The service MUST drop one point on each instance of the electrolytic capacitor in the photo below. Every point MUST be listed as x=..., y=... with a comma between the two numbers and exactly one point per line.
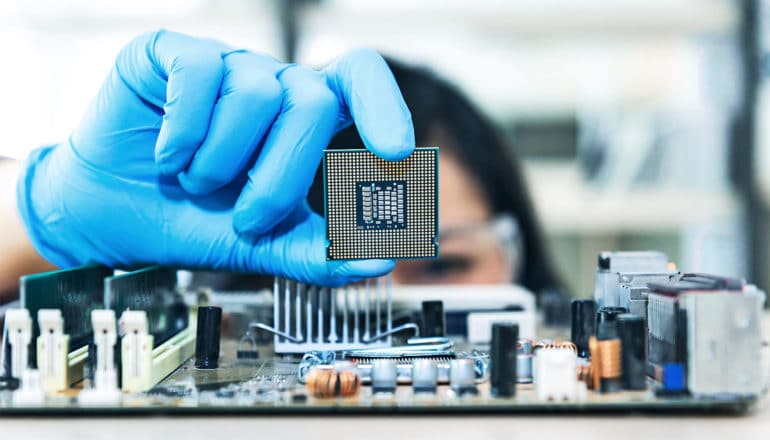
x=634, y=356
x=583, y=324
x=207, y=337
x=524, y=359
x=462, y=376
x=433, y=320
x=384, y=376
x=502, y=355
x=7, y=381
x=424, y=375
x=606, y=326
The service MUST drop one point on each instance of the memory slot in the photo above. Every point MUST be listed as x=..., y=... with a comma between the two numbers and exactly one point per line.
x=152, y=290
x=74, y=291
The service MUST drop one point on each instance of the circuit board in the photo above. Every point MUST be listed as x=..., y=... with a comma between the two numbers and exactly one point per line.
x=270, y=386
x=157, y=348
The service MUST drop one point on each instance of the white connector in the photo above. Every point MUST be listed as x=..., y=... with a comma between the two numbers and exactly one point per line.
x=105, y=390
x=52, y=349
x=18, y=323
x=19, y=326
x=556, y=376
x=30, y=392
x=136, y=351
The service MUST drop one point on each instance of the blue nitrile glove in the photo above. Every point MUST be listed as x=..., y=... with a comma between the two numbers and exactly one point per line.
x=200, y=156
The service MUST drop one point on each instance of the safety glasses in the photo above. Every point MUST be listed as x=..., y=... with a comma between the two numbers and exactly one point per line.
x=479, y=253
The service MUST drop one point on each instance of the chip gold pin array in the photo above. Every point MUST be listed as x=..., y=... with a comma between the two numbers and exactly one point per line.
x=380, y=209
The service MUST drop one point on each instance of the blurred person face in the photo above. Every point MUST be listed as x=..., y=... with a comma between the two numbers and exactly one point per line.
x=470, y=251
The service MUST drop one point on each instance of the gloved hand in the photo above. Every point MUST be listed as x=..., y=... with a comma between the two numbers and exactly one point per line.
x=199, y=156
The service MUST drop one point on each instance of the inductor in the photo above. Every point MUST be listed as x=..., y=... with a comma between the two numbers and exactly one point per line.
x=326, y=381
x=593, y=348
x=609, y=359
x=584, y=372
x=605, y=360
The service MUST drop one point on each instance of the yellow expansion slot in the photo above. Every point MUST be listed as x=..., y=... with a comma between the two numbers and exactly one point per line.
x=59, y=368
x=76, y=361
x=142, y=366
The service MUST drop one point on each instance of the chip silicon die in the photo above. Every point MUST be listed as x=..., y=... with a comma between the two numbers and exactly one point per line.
x=380, y=209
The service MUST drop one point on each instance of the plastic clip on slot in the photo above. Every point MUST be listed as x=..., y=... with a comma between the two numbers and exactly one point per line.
x=105, y=390
x=136, y=351
x=143, y=364
x=19, y=325
x=52, y=350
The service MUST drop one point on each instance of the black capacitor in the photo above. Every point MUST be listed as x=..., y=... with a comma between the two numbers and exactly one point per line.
x=583, y=324
x=502, y=354
x=606, y=327
x=7, y=382
x=634, y=356
x=433, y=320
x=207, y=337
x=7, y=353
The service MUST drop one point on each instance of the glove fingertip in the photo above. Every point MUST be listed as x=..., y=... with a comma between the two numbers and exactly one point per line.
x=249, y=223
x=170, y=157
x=198, y=185
x=169, y=166
x=246, y=224
x=359, y=269
x=393, y=153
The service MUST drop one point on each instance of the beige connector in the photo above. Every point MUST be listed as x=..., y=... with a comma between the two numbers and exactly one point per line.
x=52, y=348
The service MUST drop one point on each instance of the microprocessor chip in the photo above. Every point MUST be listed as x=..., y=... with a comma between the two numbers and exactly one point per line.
x=380, y=209
x=381, y=205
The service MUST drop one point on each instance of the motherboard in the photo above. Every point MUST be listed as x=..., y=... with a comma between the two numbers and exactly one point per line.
x=88, y=341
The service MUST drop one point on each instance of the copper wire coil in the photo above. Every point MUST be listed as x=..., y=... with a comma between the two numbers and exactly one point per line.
x=593, y=348
x=609, y=359
x=584, y=373
x=326, y=381
x=605, y=360
x=556, y=344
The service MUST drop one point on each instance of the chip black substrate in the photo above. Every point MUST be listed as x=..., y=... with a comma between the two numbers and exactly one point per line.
x=380, y=209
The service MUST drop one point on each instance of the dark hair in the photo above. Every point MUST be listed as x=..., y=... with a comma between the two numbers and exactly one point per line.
x=434, y=103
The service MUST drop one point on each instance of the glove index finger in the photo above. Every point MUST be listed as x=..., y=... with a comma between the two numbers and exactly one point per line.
x=181, y=77
x=369, y=97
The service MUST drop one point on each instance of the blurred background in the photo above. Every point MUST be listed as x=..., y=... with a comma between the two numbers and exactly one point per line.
x=643, y=124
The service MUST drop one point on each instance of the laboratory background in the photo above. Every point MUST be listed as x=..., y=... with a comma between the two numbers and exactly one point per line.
x=639, y=123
